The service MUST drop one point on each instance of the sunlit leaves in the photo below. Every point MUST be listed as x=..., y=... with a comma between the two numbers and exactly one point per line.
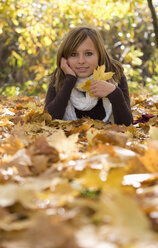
x=33, y=30
x=133, y=57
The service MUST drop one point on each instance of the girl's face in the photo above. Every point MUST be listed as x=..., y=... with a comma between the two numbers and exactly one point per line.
x=84, y=59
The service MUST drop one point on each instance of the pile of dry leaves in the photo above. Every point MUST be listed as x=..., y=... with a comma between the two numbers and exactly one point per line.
x=79, y=184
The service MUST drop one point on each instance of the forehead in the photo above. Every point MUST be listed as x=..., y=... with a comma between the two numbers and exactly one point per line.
x=87, y=44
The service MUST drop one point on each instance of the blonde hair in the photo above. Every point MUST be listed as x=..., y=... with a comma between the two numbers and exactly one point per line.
x=72, y=40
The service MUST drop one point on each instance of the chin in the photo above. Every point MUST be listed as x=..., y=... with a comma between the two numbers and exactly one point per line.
x=82, y=75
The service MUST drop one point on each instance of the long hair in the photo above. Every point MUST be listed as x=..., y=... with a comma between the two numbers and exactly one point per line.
x=72, y=40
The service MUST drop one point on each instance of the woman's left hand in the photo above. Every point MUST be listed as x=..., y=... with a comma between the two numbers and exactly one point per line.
x=101, y=88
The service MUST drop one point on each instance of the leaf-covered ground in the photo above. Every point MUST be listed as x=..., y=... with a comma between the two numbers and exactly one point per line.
x=77, y=184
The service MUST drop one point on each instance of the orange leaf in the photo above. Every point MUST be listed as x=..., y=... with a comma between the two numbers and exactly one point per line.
x=85, y=86
x=149, y=159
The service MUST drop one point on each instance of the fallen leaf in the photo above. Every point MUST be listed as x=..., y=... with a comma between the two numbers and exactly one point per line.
x=66, y=146
x=153, y=133
x=111, y=137
x=149, y=159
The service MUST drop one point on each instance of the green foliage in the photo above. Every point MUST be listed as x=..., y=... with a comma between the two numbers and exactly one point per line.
x=30, y=33
x=90, y=193
x=9, y=90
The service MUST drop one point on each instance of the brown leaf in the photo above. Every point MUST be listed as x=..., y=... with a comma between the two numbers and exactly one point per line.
x=18, y=165
x=67, y=146
x=111, y=137
x=39, y=164
x=11, y=145
x=81, y=129
x=41, y=146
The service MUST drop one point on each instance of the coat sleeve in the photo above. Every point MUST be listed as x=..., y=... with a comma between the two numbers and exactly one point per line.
x=56, y=103
x=120, y=101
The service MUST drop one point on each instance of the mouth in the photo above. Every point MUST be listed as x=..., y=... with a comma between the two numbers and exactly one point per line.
x=82, y=69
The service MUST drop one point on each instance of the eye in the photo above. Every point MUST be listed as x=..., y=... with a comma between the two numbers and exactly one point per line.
x=89, y=53
x=73, y=54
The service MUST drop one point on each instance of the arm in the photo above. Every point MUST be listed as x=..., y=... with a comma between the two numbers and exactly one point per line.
x=57, y=103
x=120, y=101
x=119, y=98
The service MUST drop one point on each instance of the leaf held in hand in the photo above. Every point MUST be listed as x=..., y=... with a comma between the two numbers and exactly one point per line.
x=98, y=74
x=85, y=86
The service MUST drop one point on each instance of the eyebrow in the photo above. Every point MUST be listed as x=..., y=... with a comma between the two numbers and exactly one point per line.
x=87, y=50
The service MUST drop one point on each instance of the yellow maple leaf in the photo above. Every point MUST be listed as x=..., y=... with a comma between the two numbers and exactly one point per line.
x=98, y=74
x=85, y=86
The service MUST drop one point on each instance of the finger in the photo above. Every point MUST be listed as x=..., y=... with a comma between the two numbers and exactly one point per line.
x=93, y=91
x=95, y=94
x=62, y=62
x=92, y=86
x=94, y=83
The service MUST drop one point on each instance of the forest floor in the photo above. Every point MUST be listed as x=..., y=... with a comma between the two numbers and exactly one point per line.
x=78, y=184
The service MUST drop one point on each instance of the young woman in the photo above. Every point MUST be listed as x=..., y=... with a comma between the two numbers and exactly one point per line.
x=79, y=54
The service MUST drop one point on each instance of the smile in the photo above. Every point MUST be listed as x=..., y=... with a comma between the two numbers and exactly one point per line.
x=82, y=69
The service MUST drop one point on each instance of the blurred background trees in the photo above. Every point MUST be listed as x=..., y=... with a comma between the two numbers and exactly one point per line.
x=31, y=31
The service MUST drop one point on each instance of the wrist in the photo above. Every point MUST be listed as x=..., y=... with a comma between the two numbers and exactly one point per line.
x=70, y=75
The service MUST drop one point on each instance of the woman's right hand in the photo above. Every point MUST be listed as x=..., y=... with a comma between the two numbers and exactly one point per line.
x=66, y=68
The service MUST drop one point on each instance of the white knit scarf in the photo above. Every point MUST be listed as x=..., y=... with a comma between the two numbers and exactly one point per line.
x=84, y=102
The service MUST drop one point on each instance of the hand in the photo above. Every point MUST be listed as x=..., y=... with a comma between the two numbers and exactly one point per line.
x=66, y=68
x=101, y=88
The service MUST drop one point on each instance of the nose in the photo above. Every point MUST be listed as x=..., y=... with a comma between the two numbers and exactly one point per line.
x=81, y=59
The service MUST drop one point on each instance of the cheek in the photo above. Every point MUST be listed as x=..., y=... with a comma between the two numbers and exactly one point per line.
x=95, y=63
x=70, y=62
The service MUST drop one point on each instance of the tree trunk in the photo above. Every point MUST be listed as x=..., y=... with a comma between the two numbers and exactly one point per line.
x=155, y=21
